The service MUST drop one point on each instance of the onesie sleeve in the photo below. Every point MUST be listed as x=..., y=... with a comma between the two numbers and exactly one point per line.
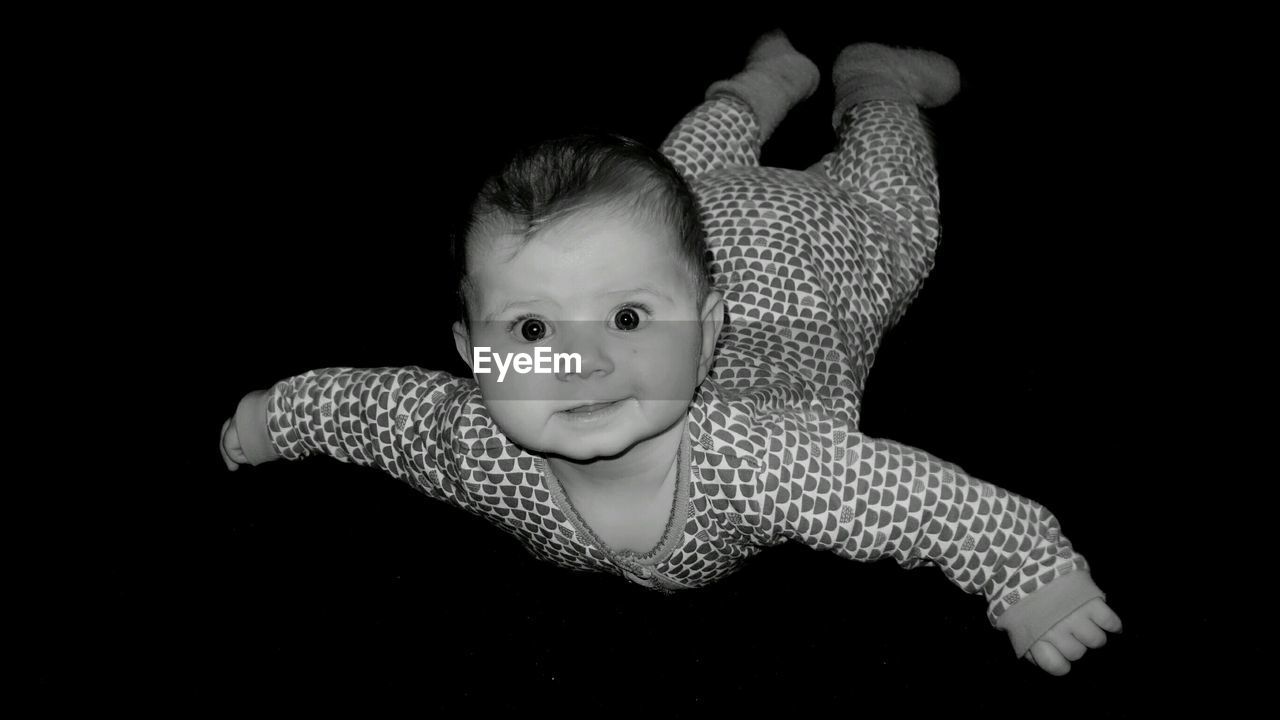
x=867, y=499
x=399, y=420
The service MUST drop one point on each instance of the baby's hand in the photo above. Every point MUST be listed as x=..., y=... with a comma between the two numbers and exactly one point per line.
x=232, y=454
x=1066, y=641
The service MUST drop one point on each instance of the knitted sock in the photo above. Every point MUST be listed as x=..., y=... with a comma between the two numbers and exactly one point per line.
x=868, y=71
x=776, y=78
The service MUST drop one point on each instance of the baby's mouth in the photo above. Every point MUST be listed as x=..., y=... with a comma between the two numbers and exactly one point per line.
x=589, y=411
x=591, y=407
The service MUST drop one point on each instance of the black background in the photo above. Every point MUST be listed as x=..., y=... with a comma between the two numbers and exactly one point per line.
x=280, y=190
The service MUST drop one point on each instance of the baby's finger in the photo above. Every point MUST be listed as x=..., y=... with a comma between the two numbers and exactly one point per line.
x=1089, y=634
x=222, y=447
x=1049, y=659
x=1104, y=617
x=1066, y=643
x=226, y=460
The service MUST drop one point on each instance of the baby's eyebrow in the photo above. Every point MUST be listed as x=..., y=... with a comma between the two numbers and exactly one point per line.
x=512, y=304
x=536, y=301
x=641, y=290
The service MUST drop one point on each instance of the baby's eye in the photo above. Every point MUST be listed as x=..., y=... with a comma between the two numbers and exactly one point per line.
x=630, y=318
x=531, y=329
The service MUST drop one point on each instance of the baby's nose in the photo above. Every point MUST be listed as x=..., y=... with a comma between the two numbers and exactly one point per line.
x=588, y=350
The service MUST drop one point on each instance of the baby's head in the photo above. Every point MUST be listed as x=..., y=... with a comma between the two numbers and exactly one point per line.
x=589, y=247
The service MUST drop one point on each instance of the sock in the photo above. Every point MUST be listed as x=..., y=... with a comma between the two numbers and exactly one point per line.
x=868, y=71
x=775, y=79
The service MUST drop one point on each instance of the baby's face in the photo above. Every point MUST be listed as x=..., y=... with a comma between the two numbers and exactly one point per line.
x=609, y=290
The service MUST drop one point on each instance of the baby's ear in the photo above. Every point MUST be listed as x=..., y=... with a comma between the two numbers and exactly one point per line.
x=462, y=341
x=712, y=323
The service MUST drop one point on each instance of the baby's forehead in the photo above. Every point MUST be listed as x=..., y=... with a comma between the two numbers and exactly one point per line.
x=504, y=238
x=584, y=256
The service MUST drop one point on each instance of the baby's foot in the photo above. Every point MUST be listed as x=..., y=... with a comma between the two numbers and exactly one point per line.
x=868, y=71
x=775, y=79
x=795, y=75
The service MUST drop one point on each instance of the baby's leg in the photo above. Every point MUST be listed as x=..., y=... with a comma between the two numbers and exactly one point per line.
x=884, y=157
x=741, y=113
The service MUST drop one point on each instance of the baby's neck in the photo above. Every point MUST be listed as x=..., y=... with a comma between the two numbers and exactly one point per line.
x=640, y=472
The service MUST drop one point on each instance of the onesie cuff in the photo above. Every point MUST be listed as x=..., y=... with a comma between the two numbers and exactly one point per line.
x=1027, y=621
x=251, y=426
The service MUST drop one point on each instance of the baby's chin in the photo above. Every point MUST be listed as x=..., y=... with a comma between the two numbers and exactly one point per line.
x=585, y=451
x=583, y=448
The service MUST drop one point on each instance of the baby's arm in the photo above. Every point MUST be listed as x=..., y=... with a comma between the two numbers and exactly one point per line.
x=882, y=498
x=395, y=419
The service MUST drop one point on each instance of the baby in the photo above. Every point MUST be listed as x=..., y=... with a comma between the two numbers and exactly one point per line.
x=669, y=350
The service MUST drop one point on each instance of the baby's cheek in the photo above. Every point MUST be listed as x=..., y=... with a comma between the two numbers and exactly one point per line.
x=521, y=421
x=516, y=386
x=518, y=404
x=668, y=377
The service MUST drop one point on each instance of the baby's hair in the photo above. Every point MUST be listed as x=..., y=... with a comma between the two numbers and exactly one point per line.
x=554, y=179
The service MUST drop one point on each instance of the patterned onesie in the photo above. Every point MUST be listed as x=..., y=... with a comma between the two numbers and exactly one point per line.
x=814, y=267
